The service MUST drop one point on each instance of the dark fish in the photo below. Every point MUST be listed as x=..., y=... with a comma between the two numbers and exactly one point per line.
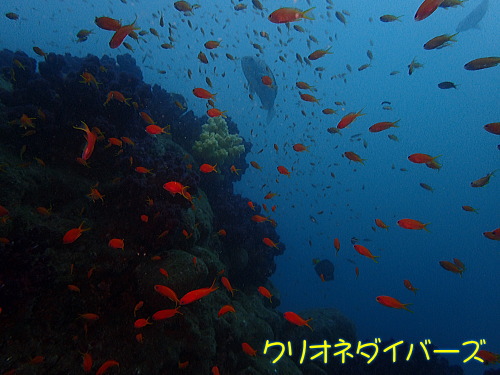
x=354, y=240
x=447, y=85
x=482, y=63
x=254, y=69
x=325, y=268
x=313, y=219
x=472, y=20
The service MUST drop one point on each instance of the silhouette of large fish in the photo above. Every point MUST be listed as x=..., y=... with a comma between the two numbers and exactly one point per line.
x=254, y=69
x=325, y=268
x=472, y=20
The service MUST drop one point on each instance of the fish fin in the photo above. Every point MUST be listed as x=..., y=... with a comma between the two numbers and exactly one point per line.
x=406, y=308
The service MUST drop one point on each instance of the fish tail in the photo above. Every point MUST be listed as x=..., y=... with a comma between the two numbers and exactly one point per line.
x=415, y=290
x=307, y=11
x=425, y=228
x=376, y=256
x=406, y=308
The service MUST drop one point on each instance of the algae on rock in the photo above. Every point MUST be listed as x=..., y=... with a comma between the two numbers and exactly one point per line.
x=216, y=144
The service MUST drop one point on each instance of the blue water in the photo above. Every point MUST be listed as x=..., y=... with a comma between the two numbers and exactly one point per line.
x=448, y=309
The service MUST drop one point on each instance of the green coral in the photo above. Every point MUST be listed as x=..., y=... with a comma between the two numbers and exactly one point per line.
x=216, y=144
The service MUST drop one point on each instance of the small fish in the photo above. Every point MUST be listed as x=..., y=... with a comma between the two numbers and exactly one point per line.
x=483, y=180
x=392, y=302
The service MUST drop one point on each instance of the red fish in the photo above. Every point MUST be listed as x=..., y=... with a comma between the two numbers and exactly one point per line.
x=348, y=119
x=91, y=139
x=207, y=168
x=197, y=294
x=227, y=285
x=165, y=291
x=426, y=9
x=265, y=292
x=203, y=94
x=116, y=243
x=107, y=23
x=409, y=286
x=336, y=244
x=155, y=129
x=73, y=234
x=166, y=314
x=422, y=158
x=270, y=243
x=214, y=112
x=365, y=252
x=380, y=126
x=299, y=147
x=121, y=34
x=225, y=309
x=392, y=302
x=285, y=15
x=283, y=170
x=296, y=319
x=412, y=224
x=354, y=157
x=105, y=366
x=248, y=349
x=381, y=224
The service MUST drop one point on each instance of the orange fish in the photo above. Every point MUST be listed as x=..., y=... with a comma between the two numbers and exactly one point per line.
x=155, y=129
x=143, y=170
x=299, y=147
x=174, y=187
x=118, y=96
x=255, y=165
x=233, y=169
x=73, y=288
x=380, y=126
x=166, y=314
x=270, y=243
x=266, y=80
x=409, y=286
x=107, y=23
x=365, y=252
x=285, y=15
x=392, y=302
x=203, y=94
x=165, y=291
x=259, y=218
x=87, y=362
x=207, y=168
x=488, y=357
x=265, y=292
x=296, y=319
x=73, y=234
x=493, y=128
x=105, y=366
x=147, y=118
x=283, y=170
x=225, y=309
x=89, y=316
x=319, y=53
x=348, y=119
x=336, y=244
x=270, y=195
x=412, y=224
x=121, y=34
x=197, y=294
x=116, y=243
x=354, y=157
x=215, y=370
x=459, y=264
x=421, y=158
x=427, y=8
x=308, y=98
x=251, y=205
x=164, y=272
x=469, y=209
x=227, y=285
x=248, y=349
x=89, y=79
x=138, y=306
x=214, y=112
x=381, y=224
x=141, y=323
x=211, y=44
x=448, y=266
x=91, y=139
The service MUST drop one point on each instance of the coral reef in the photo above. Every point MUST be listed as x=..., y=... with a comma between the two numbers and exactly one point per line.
x=216, y=144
